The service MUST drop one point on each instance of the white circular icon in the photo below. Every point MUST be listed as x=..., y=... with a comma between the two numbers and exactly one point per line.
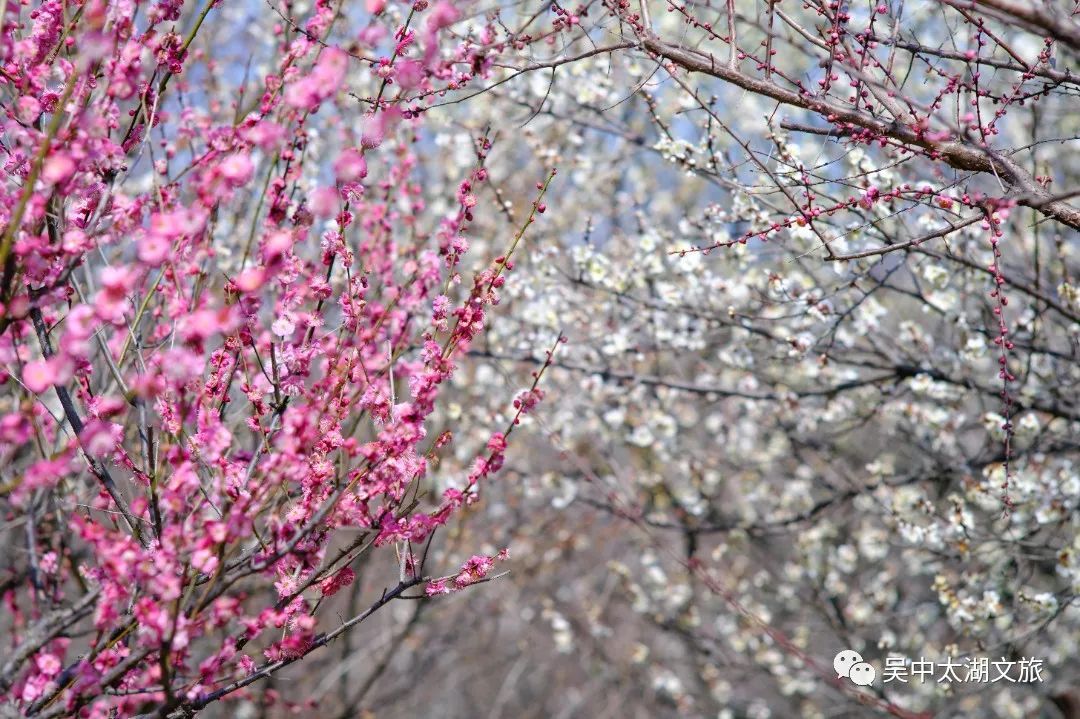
x=862, y=674
x=844, y=661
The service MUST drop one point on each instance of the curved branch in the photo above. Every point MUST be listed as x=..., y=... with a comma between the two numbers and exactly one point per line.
x=958, y=155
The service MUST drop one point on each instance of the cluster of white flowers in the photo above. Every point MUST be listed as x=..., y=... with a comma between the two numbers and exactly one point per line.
x=829, y=436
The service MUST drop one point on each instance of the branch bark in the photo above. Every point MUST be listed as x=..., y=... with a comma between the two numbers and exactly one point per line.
x=957, y=154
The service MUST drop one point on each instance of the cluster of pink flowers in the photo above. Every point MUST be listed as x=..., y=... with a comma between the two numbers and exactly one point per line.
x=225, y=403
x=476, y=569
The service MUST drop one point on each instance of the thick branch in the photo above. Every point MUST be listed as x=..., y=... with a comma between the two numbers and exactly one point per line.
x=1033, y=13
x=959, y=155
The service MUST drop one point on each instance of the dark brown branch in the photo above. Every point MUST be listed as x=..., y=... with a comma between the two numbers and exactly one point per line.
x=322, y=640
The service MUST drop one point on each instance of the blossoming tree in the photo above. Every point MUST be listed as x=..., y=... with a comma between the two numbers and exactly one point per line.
x=824, y=363
x=227, y=319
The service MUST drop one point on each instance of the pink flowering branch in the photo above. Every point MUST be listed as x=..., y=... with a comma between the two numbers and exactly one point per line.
x=240, y=333
x=191, y=705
